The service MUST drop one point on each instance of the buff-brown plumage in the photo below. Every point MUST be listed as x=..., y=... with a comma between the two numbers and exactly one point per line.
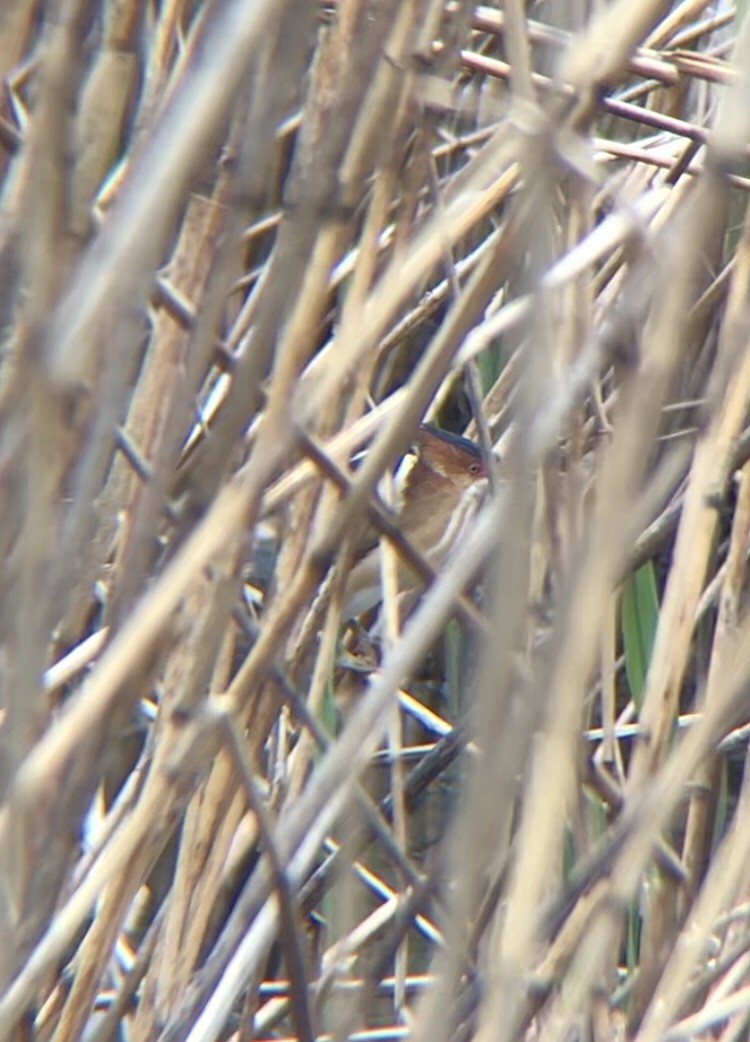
x=438, y=487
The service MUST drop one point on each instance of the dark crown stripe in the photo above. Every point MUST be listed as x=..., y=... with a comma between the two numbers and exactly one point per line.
x=454, y=439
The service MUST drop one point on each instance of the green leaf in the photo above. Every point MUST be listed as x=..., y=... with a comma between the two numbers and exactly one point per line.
x=491, y=363
x=640, y=614
x=633, y=938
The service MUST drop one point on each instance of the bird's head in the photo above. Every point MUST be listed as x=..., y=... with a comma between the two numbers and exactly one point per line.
x=450, y=456
x=440, y=463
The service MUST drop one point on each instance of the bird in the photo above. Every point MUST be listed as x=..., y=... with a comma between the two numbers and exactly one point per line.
x=438, y=486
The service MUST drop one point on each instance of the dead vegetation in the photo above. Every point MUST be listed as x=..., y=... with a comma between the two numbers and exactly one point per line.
x=239, y=244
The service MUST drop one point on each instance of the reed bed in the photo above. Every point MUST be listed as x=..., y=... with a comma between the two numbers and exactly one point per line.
x=241, y=245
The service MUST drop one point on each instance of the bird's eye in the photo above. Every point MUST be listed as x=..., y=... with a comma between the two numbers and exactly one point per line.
x=475, y=468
